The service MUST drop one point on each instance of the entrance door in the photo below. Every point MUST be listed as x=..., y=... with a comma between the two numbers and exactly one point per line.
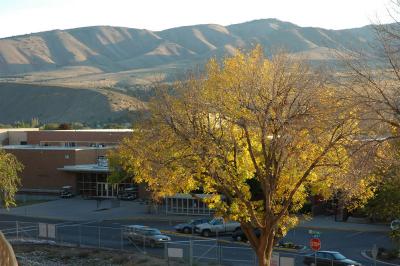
x=106, y=190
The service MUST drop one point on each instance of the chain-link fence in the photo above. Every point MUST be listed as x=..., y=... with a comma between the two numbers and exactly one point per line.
x=188, y=250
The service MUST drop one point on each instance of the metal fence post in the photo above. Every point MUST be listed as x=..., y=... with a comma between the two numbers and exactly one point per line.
x=315, y=258
x=166, y=251
x=219, y=250
x=80, y=235
x=191, y=252
x=144, y=245
x=99, y=235
x=122, y=239
x=16, y=227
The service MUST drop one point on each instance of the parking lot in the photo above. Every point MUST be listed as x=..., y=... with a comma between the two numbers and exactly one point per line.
x=216, y=249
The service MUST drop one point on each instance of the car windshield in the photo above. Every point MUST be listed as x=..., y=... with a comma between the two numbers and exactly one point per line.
x=216, y=221
x=196, y=222
x=153, y=232
x=338, y=256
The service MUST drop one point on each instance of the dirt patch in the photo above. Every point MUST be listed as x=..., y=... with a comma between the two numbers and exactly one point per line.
x=51, y=255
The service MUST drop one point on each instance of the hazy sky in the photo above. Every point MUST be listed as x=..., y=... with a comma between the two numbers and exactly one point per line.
x=26, y=16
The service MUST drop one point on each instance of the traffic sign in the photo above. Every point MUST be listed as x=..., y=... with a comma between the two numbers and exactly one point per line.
x=315, y=244
x=315, y=234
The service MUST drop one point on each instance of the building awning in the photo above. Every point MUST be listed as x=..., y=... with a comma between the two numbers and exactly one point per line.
x=189, y=196
x=85, y=168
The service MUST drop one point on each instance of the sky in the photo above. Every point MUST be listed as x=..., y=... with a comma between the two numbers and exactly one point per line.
x=27, y=16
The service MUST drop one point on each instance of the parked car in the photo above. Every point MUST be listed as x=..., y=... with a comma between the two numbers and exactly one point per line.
x=66, y=192
x=186, y=228
x=216, y=226
x=128, y=230
x=150, y=236
x=329, y=258
x=239, y=235
x=128, y=194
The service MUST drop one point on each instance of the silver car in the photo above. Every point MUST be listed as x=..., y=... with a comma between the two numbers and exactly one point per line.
x=129, y=230
x=150, y=236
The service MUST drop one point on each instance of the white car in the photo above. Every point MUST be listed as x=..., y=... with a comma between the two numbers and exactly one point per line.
x=217, y=226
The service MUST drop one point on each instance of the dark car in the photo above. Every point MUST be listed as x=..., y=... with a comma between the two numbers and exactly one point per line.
x=128, y=194
x=187, y=227
x=66, y=192
x=239, y=235
x=329, y=258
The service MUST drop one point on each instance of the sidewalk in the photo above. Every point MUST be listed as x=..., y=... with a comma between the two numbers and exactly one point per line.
x=77, y=209
x=328, y=222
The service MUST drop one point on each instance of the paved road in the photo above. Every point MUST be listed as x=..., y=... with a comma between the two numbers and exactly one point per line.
x=349, y=243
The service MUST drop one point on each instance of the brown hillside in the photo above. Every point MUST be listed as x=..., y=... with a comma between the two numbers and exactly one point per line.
x=22, y=102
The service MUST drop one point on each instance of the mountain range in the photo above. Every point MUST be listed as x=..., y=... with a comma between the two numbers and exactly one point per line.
x=125, y=58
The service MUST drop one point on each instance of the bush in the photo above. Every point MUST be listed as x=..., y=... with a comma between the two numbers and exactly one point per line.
x=307, y=208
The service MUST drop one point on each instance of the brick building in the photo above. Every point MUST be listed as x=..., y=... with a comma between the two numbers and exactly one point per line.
x=56, y=158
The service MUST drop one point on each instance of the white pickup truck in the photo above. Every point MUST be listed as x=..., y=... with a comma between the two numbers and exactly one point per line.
x=216, y=226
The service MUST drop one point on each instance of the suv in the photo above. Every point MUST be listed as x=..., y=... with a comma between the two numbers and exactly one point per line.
x=239, y=235
x=147, y=235
x=217, y=226
x=186, y=228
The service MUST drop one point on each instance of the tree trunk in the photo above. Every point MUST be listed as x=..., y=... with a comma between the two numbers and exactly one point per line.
x=264, y=249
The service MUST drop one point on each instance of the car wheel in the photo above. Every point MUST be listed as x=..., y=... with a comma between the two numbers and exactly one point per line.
x=206, y=233
x=186, y=230
x=152, y=243
x=239, y=238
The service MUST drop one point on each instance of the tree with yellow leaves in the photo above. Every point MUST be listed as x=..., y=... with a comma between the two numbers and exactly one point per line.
x=9, y=178
x=248, y=122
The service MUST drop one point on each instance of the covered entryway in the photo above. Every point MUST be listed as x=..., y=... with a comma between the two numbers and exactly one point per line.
x=186, y=204
x=91, y=181
x=106, y=190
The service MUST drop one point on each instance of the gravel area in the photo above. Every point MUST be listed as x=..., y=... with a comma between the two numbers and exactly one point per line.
x=51, y=255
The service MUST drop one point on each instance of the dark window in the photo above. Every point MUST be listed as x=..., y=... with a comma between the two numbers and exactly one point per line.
x=338, y=256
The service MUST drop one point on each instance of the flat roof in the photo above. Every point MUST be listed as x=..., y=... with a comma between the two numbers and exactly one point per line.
x=18, y=129
x=52, y=148
x=93, y=168
x=91, y=130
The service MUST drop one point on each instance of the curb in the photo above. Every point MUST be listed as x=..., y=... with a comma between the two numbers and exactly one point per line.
x=153, y=218
x=40, y=217
x=364, y=254
x=383, y=230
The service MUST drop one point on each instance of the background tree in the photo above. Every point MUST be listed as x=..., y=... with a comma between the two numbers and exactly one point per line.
x=249, y=123
x=9, y=179
x=372, y=78
x=372, y=82
x=385, y=205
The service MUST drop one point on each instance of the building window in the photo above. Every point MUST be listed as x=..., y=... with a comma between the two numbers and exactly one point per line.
x=70, y=144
